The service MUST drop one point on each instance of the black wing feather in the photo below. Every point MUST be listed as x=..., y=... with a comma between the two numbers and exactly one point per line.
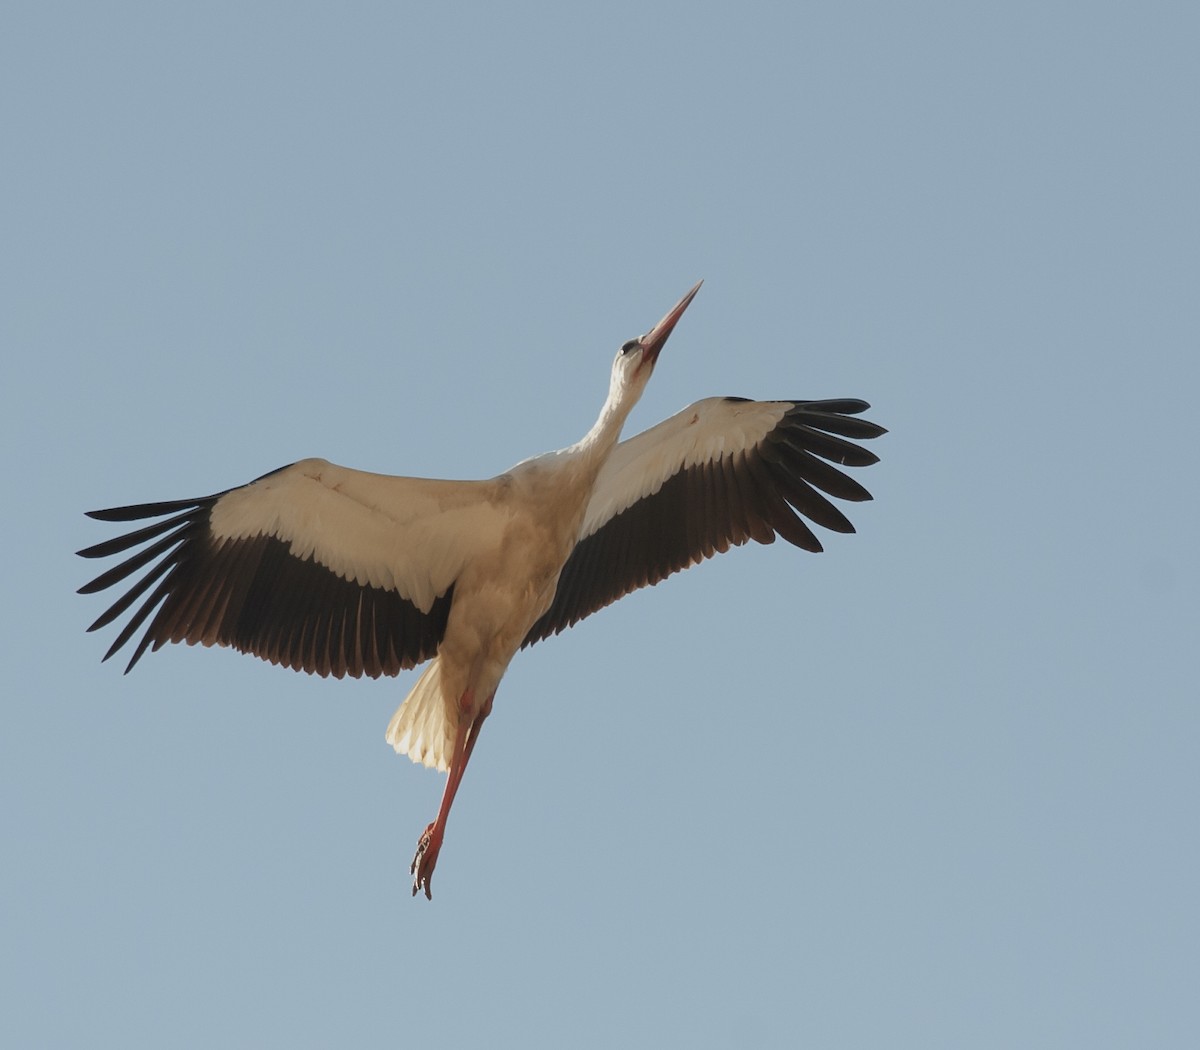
x=755, y=494
x=254, y=595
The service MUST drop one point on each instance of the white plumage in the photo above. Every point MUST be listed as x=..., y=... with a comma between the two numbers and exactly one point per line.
x=409, y=535
x=701, y=433
x=337, y=571
x=421, y=727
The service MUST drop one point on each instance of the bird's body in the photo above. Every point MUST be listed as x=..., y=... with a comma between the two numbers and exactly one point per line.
x=336, y=571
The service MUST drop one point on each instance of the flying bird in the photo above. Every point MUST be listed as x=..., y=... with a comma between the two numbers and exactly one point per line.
x=335, y=571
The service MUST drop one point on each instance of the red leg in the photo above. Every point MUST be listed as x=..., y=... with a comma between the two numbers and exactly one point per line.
x=476, y=726
x=430, y=843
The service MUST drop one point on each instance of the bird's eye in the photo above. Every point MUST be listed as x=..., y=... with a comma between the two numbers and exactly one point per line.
x=630, y=346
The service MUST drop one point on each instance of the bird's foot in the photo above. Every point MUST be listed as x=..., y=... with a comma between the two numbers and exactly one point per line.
x=425, y=861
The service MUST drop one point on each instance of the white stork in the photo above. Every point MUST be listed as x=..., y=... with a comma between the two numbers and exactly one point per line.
x=335, y=571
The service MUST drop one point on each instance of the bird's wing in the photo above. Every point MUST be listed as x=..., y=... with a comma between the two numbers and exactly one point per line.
x=721, y=472
x=314, y=566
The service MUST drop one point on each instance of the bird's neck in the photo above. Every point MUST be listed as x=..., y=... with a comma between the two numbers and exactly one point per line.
x=598, y=442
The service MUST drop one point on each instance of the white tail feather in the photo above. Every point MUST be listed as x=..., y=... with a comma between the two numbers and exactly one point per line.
x=421, y=727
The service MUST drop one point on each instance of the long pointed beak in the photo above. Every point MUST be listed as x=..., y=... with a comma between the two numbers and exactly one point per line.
x=654, y=340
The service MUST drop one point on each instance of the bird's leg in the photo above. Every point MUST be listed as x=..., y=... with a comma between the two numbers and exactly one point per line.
x=430, y=843
x=476, y=726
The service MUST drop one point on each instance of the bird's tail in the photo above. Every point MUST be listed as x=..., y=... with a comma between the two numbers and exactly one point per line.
x=421, y=728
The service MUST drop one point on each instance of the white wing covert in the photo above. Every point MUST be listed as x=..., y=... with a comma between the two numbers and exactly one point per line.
x=722, y=472
x=314, y=566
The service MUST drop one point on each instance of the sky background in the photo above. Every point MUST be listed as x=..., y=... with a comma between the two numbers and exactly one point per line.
x=936, y=787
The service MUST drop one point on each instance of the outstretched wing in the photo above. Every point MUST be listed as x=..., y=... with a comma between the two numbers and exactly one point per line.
x=314, y=566
x=722, y=472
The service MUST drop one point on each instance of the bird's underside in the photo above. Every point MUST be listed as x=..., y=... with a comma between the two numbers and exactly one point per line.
x=339, y=572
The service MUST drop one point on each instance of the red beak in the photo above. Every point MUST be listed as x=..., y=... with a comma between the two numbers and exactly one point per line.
x=654, y=340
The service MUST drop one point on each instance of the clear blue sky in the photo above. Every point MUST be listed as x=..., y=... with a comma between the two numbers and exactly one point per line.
x=936, y=787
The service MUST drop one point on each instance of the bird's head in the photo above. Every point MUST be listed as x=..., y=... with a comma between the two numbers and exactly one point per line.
x=636, y=358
